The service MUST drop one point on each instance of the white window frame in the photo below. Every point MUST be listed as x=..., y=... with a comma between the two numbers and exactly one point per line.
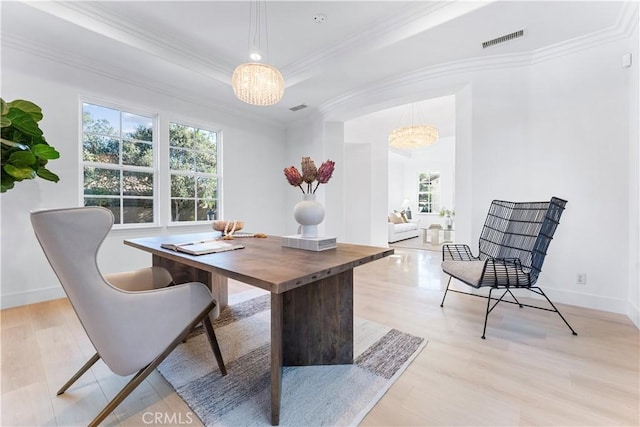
x=154, y=169
x=170, y=172
x=436, y=193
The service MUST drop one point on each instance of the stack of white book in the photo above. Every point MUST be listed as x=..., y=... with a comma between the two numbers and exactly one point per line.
x=315, y=244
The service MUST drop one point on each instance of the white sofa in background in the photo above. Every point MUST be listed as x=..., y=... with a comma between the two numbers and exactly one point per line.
x=403, y=230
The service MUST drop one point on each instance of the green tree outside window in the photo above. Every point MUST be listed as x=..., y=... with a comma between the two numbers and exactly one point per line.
x=193, y=164
x=117, y=153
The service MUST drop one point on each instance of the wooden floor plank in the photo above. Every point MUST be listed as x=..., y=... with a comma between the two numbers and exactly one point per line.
x=529, y=371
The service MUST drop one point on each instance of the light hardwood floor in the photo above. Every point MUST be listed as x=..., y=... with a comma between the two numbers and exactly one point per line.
x=529, y=371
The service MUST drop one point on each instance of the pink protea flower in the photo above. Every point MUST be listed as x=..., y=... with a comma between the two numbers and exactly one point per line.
x=293, y=176
x=324, y=173
x=310, y=173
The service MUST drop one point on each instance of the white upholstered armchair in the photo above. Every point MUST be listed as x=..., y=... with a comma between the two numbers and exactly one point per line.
x=144, y=279
x=132, y=332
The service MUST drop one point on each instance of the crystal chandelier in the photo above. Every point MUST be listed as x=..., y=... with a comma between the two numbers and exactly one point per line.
x=256, y=83
x=413, y=136
x=407, y=137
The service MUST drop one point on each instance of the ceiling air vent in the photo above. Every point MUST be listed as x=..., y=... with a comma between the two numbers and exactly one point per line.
x=503, y=39
x=298, y=107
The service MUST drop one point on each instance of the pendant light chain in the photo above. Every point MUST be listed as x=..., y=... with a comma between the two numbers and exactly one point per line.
x=258, y=83
x=266, y=31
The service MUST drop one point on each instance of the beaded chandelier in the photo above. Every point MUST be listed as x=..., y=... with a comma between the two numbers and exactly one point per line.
x=256, y=83
x=413, y=136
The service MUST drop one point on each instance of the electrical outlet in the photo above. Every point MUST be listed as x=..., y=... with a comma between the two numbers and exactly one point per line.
x=581, y=278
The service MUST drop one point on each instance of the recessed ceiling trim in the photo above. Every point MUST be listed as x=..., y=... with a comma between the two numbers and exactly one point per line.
x=68, y=59
x=388, y=30
x=93, y=17
x=389, y=86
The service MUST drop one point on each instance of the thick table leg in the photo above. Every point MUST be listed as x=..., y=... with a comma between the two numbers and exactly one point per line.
x=318, y=322
x=183, y=273
x=276, y=356
x=311, y=325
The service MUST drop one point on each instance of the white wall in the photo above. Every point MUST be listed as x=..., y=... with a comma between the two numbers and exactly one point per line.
x=634, y=179
x=320, y=140
x=253, y=185
x=357, y=185
x=352, y=218
x=578, y=140
x=558, y=124
x=396, y=181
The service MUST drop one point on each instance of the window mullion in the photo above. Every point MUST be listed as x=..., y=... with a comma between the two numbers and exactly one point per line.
x=130, y=193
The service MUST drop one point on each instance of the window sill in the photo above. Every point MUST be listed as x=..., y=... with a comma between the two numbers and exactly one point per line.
x=120, y=229
x=207, y=224
x=130, y=227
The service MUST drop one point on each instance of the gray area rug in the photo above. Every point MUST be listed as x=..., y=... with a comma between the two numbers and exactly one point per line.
x=336, y=395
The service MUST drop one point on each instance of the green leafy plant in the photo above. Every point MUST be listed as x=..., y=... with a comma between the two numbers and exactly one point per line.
x=447, y=212
x=25, y=152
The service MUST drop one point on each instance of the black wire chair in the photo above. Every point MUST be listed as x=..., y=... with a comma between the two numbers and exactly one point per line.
x=513, y=244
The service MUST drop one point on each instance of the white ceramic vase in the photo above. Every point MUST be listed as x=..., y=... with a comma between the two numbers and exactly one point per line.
x=309, y=213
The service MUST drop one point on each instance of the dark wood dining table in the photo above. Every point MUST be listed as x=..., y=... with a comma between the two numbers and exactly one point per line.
x=311, y=293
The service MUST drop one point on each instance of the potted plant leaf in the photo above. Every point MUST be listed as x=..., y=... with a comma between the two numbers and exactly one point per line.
x=447, y=214
x=25, y=152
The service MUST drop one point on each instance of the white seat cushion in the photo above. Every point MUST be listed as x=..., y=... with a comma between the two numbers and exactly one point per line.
x=469, y=272
x=408, y=226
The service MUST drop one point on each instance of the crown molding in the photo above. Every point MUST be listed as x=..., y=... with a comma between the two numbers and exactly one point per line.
x=388, y=30
x=123, y=76
x=94, y=17
x=385, y=87
x=626, y=23
x=623, y=28
x=629, y=17
x=359, y=41
x=414, y=19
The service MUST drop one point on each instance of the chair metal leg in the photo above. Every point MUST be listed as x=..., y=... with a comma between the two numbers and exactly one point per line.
x=445, y=292
x=486, y=315
x=489, y=310
x=131, y=385
x=78, y=374
x=213, y=341
x=144, y=372
x=490, y=307
x=514, y=297
x=541, y=292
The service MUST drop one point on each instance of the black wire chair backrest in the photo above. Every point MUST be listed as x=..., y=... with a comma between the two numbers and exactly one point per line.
x=521, y=230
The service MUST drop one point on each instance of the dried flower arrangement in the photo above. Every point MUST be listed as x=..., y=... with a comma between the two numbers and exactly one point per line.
x=310, y=174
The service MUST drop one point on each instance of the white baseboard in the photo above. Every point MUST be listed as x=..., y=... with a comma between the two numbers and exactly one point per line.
x=634, y=314
x=30, y=297
x=597, y=302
